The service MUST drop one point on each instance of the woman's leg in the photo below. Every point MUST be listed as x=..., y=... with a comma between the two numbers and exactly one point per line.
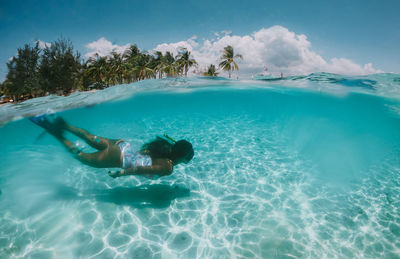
x=93, y=140
x=108, y=157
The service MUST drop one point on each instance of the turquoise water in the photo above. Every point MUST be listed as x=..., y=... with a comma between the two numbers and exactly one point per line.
x=306, y=167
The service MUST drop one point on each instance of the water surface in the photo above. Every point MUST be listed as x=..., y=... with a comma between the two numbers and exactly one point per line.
x=306, y=167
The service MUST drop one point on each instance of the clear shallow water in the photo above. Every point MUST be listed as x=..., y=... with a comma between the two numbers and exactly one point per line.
x=278, y=172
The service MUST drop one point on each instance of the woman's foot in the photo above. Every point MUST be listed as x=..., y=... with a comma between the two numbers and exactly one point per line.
x=55, y=128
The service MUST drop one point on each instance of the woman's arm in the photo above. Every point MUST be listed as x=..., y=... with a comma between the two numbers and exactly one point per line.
x=161, y=169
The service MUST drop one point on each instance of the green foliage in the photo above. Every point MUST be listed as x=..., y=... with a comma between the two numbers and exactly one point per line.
x=58, y=69
x=2, y=92
x=169, y=66
x=131, y=66
x=22, y=78
x=211, y=71
x=227, y=60
x=184, y=62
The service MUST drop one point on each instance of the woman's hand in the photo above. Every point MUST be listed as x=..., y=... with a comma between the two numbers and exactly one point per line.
x=115, y=174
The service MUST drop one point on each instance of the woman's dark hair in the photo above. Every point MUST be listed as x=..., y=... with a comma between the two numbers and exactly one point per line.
x=160, y=148
x=182, y=149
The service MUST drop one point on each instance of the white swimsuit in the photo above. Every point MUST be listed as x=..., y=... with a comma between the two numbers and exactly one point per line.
x=131, y=158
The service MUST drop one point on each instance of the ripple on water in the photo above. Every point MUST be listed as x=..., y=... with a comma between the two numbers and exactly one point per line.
x=180, y=241
x=116, y=239
x=140, y=250
x=245, y=195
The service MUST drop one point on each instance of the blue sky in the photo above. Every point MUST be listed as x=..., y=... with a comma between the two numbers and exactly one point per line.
x=360, y=31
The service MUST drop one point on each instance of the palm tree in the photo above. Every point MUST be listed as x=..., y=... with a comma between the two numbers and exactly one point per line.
x=184, y=61
x=211, y=71
x=228, y=63
x=98, y=69
x=158, y=64
x=143, y=72
x=169, y=64
x=142, y=68
x=130, y=54
x=127, y=75
x=116, y=72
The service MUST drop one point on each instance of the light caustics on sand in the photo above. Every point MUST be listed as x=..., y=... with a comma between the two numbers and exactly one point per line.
x=306, y=167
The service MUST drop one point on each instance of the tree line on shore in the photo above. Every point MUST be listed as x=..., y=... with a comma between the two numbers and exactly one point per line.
x=58, y=69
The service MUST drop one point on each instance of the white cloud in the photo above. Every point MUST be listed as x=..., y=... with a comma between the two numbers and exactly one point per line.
x=226, y=32
x=189, y=44
x=276, y=48
x=103, y=47
x=222, y=33
x=43, y=44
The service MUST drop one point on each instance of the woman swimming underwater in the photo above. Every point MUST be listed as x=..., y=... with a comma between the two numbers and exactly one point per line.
x=157, y=157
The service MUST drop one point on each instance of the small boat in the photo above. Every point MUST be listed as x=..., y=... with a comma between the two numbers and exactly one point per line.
x=267, y=77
